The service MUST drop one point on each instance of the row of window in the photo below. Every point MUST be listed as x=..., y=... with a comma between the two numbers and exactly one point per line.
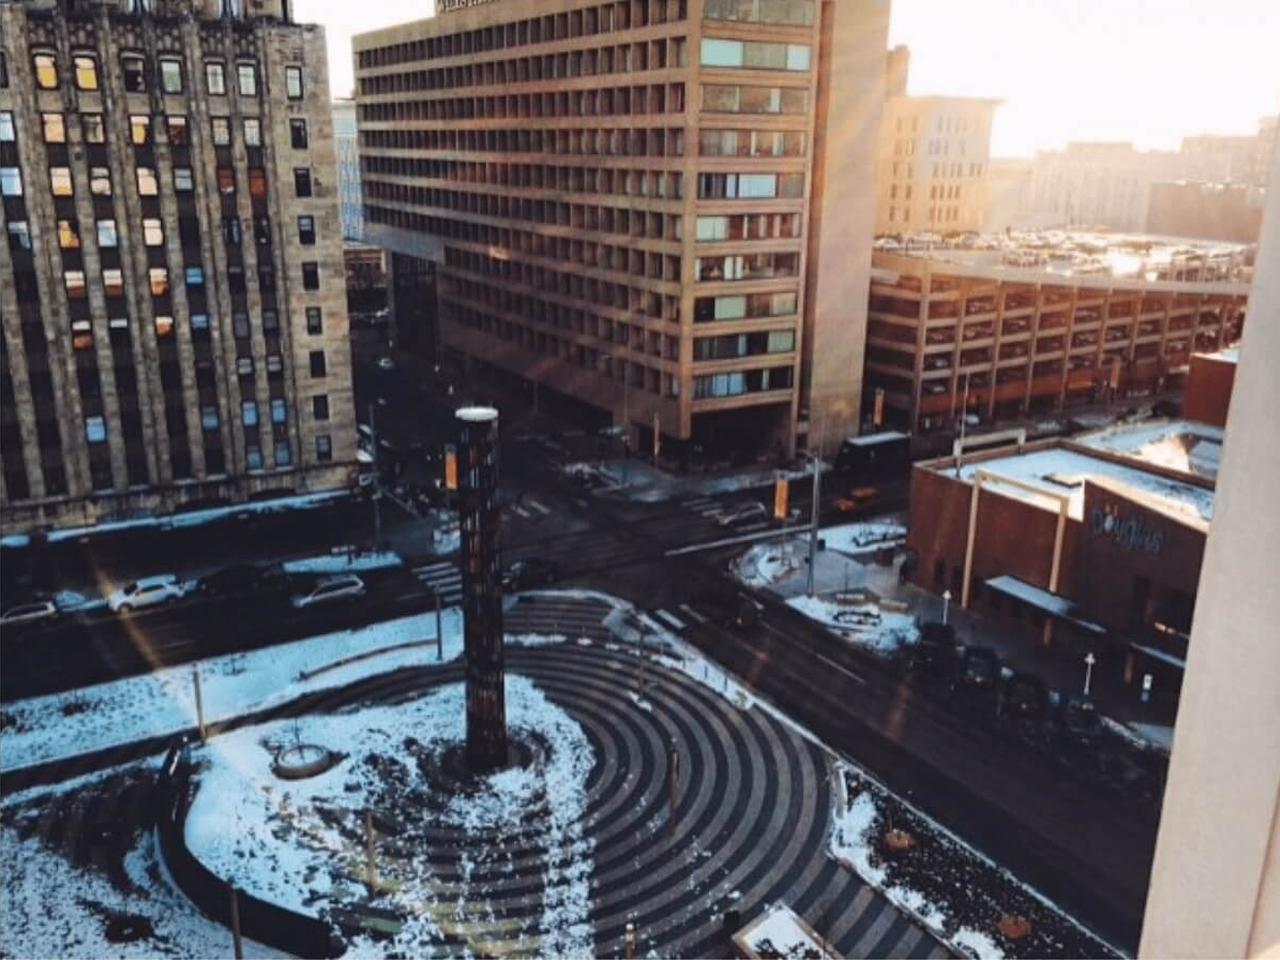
x=661, y=184
x=755, y=55
x=752, y=143
x=742, y=381
x=794, y=13
x=169, y=75
x=750, y=186
x=748, y=226
x=632, y=100
x=748, y=266
x=61, y=184
x=732, y=346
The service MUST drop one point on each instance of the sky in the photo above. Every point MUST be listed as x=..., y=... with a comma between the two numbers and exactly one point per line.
x=1150, y=71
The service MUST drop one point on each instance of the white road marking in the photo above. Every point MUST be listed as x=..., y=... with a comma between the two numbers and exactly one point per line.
x=731, y=541
x=827, y=660
x=670, y=619
x=693, y=613
x=539, y=507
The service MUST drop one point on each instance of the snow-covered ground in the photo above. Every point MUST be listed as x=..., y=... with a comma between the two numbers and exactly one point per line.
x=862, y=538
x=300, y=843
x=780, y=932
x=343, y=562
x=880, y=631
x=51, y=908
x=767, y=564
x=122, y=711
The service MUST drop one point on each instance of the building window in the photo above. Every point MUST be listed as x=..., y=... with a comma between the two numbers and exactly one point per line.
x=170, y=75
x=19, y=235
x=179, y=136
x=183, y=180
x=95, y=429
x=199, y=321
x=247, y=77
x=317, y=363
x=100, y=182
x=4, y=70
x=60, y=181
x=139, y=129
x=10, y=182
x=85, y=66
x=279, y=411
x=46, y=67
x=74, y=281
x=298, y=133
x=796, y=13
x=284, y=457
x=249, y=413
x=95, y=131
x=240, y=326
x=148, y=186
x=310, y=275
x=152, y=232
x=8, y=134
x=752, y=55
x=307, y=231
x=275, y=363
x=135, y=73
x=209, y=418
x=215, y=78
x=158, y=277
x=244, y=366
x=293, y=82
x=270, y=322
x=68, y=235
x=113, y=282
x=302, y=182
x=320, y=406
x=221, y=127
x=81, y=335
x=252, y=132
x=107, y=233
x=315, y=325
x=253, y=457
x=257, y=183
x=55, y=128
x=324, y=448
x=195, y=276
x=226, y=181
x=262, y=231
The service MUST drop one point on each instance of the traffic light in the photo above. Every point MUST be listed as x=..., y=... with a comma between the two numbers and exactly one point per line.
x=450, y=467
x=781, y=496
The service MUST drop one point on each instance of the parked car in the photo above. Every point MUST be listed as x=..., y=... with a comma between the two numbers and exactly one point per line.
x=1023, y=697
x=345, y=587
x=978, y=669
x=855, y=498
x=146, y=592
x=728, y=607
x=1078, y=722
x=744, y=513
x=934, y=654
x=530, y=574
x=27, y=614
x=243, y=578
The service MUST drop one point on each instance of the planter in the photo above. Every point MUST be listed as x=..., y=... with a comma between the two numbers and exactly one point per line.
x=303, y=760
x=899, y=841
x=1013, y=927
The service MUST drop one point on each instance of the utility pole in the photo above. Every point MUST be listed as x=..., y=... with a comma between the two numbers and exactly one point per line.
x=439, y=627
x=816, y=494
x=195, y=679
x=626, y=415
x=237, y=942
x=377, y=482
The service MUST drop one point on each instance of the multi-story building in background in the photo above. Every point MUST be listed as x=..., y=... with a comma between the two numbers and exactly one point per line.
x=662, y=208
x=933, y=159
x=171, y=286
x=347, y=149
x=1206, y=211
x=1029, y=328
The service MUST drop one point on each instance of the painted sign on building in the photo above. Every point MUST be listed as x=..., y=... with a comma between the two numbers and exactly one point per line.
x=1131, y=533
x=448, y=6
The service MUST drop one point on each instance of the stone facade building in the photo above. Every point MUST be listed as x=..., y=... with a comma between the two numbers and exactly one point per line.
x=660, y=208
x=171, y=278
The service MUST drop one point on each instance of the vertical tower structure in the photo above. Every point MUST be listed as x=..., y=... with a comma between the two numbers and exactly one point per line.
x=481, y=587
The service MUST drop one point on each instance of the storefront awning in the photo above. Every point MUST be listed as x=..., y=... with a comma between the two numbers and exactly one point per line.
x=1056, y=606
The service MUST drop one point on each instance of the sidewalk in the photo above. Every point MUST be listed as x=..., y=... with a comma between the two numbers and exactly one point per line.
x=640, y=481
x=1058, y=666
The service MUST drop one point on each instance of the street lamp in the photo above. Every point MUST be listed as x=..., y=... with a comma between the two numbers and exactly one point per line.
x=946, y=605
x=1089, y=661
x=626, y=408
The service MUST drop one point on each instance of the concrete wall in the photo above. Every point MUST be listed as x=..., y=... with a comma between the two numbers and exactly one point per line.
x=1215, y=882
x=1208, y=391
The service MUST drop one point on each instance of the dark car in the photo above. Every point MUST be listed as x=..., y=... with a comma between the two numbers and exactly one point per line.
x=1078, y=722
x=1024, y=697
x=934, y=654
x=530, y=574
x=244, y=578
x=978, y=669
x=727, y=607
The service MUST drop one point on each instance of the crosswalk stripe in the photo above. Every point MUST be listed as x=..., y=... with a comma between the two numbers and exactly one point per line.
x=711, y=511
x=670, y=619
x=539, y=507
x=522, y=511
x=693, y=613
x=696, y=502
x=442, y=578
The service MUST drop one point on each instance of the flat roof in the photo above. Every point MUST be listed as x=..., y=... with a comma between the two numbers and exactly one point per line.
x=1187, y=446
x=1226, y=355
x=1057, y=470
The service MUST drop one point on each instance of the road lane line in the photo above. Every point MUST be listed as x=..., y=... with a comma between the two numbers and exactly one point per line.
x=693, y=613
x=731, y=541
x=670, y=619
x=825, y=659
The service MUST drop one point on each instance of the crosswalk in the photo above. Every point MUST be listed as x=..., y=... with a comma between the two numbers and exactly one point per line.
x=678, y=621
x=706, y=506
x=444, y=578
x=530, y=509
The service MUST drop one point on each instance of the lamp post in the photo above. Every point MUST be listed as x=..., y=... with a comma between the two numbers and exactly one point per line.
x=1089, y=661
x=946, y=605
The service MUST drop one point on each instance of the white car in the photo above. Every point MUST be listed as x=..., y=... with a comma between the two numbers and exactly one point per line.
x=29, y=613
x=346, y=587
x=146, y=592
x=744, y=513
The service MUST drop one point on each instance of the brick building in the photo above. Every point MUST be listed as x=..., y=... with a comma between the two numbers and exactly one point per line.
x=1210, y=380
x=171, y=281
x=661, y=208
x=1095, y=541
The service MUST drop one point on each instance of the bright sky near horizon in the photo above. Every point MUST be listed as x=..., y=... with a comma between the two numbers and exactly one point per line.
x=1151, y=71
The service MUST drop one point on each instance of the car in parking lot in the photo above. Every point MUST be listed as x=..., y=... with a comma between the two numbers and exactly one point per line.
x=530, y=574
x=1077, y=721
x=934, y=653
x=345, y=587
x=855, y=498
x=727, y=607
x=243, y=578
x=38, y=612
x=1023, y=697
x=744, y=513
x=978, y=669
x=146, y=592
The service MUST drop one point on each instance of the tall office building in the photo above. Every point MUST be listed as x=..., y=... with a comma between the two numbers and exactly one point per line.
x=663, y=208
x=171, y=282
x=933, y=163
x=350, y=199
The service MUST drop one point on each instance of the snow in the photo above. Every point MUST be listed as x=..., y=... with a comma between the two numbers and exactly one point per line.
x=15, y=540
x=1144, y=736
x=279, y=841
x=977, y=944
x=1184, y=445
x=785, y=932
x=856, y=538
x=52, y=908
x=766, y=563
x=1037, y=467
x=881, y=631
x=305, y=501
x=343, y=562
x=161, y=703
